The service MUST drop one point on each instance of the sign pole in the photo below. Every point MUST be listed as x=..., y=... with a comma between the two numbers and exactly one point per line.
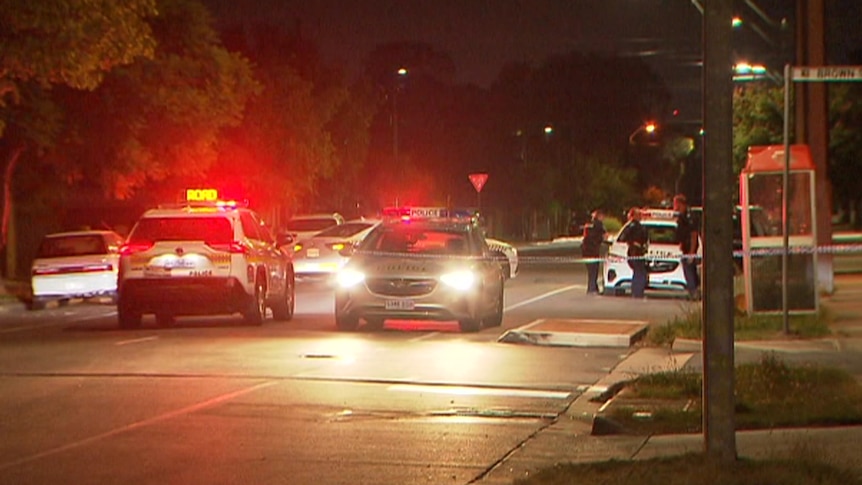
x=788, y=77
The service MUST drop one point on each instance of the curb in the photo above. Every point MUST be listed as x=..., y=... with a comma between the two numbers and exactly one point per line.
x=578, y=333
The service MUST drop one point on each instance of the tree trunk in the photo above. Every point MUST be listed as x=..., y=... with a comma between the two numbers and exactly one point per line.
x=11, y=163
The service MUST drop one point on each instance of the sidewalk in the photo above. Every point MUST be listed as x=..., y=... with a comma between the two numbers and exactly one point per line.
x=570, y=438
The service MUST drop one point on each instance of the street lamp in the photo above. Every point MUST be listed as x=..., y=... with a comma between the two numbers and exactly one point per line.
x=400, y=76
x=649, y=128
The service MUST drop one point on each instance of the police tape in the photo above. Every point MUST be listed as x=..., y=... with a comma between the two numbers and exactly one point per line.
x=834, y=249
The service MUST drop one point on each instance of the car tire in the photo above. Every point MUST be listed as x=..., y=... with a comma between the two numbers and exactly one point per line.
x=470, y=325
x=284, y=308
x=496, y=318
x=346, y=323
x=36, y=304
x=256, y=310
x=127, y=317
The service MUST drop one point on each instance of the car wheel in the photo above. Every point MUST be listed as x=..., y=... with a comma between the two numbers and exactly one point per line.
x=36, y=304
x=127, y=317
x=496, y=318
x=257, y=306
x=164, y=320
x=346, y=322
x=286, y=305
x=470, y=325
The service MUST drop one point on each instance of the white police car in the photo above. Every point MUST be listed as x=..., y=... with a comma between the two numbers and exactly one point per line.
x=664, y=268
x=203, y=257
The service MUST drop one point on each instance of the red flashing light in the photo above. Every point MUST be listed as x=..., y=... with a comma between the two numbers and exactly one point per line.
x=137, y=247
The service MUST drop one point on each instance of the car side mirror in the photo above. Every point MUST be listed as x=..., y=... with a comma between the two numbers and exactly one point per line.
x=284, y=239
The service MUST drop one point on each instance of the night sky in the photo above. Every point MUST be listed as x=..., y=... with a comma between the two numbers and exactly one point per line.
x=483, y=35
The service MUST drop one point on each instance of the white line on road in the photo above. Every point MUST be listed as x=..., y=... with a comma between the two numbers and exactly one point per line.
x=137, y=340
x=140, y=424
x=479, y=391
x=543, y=296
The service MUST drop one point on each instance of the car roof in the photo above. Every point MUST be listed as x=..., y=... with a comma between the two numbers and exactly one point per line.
x=193, y=211
x=330, y=215
x=83, y=232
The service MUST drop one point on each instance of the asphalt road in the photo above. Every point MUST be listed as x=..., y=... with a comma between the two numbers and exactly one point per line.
x=213, y=401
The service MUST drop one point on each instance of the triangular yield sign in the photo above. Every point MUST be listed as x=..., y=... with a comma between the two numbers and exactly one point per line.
x=478, y=180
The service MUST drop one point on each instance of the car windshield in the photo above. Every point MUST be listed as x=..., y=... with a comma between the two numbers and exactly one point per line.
x=82, y=245
x=661, y=234
x=412, y=240
x=345, y=230
x=210, y=229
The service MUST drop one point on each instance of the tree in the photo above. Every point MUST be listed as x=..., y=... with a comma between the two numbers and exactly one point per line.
x=58, y=42
x=305, y=133
x=758, y=119
x=70, y=42
x=156, y=124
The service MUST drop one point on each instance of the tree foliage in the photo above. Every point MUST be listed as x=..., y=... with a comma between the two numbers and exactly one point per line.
x=758, y=119
x=70, y=42
x=157, y=122
x=303, y=140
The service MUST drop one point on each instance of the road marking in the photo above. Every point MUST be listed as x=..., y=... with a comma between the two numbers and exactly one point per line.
x=543, y=296
x=140, y=424
x=479, y=391
x=137, y=340
x=424, y=337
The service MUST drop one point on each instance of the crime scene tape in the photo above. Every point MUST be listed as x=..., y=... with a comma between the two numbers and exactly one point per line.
x=834, y=249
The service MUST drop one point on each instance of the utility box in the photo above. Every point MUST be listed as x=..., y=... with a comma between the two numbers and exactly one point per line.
x=761, y=186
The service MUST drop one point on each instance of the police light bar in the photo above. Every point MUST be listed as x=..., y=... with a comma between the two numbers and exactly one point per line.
x=666, y=214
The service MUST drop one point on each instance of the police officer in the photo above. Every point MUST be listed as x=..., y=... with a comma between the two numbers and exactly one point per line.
x=687, y=235
x=594, y=235
x=636, y=238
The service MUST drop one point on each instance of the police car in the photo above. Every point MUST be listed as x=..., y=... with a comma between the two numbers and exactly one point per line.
x=421, y=264
x=203, y=257
x=664, y=271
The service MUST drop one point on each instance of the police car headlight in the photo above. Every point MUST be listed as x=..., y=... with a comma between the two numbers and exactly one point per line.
x=347, y=278
x=460, y=280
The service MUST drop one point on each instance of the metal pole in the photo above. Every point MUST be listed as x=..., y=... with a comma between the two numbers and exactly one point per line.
x=788, y=73
x=718, y=187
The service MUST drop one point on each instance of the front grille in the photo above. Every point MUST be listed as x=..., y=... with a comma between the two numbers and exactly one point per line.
x=401, y=286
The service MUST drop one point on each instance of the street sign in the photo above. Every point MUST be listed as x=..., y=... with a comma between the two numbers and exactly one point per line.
x=826, y=73
x=478, y=180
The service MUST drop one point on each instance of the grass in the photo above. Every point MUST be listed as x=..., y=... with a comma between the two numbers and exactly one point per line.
x=695, y=469
x=745, y=327
x=769, y=394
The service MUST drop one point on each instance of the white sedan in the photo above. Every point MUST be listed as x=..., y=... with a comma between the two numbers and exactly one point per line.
x=322, y=255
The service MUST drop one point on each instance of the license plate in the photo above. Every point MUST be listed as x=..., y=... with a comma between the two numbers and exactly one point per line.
x=400, y=304
x=313, y=253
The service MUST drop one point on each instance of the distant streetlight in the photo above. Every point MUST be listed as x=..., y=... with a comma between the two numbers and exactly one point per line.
x=401, y=74
x=649, y=128
x=744, y=71
x=549, y=129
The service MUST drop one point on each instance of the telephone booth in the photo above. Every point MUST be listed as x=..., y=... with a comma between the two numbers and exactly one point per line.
x=761, y=185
